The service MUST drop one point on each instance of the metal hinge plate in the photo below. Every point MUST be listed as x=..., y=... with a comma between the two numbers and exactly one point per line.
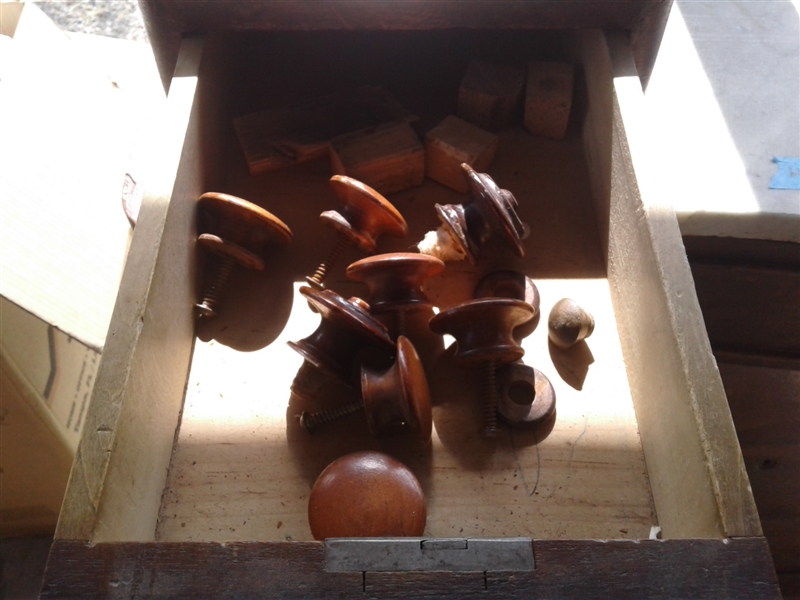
x=428, y=554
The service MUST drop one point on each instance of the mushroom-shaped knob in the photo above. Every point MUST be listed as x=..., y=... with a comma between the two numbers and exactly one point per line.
x=364, y=216
x=489, y=212
x=526, y=396
x=398, y=396
x=366, y=494
x=509, y=284
x=515, y=285
x=240, y=222
x=568, y=323
x=236, y=232
x=345, y=329
x=483, y=329
x=395, y=280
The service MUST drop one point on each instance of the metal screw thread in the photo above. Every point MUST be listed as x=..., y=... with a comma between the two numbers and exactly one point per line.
x=490, y=400
x=312, y=421
x=215, y=283
x=322, y=270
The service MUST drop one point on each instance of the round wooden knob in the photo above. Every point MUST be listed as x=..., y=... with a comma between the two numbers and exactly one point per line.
x=364, y=216
x=346, y=327
x=236, y=232
x=568, y=323
x=398, y=396
x=526, y=396
x=366, y=494
x=483, y=329
x=240, y=222
x=394, y=281
x=509, y=284
x=515, y=285
x=489, y=212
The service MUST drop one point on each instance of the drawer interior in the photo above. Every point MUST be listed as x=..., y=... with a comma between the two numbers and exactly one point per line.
x=240, y=468
x=243, y=466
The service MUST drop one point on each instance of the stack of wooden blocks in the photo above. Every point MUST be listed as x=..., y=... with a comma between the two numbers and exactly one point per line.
x=381, y=148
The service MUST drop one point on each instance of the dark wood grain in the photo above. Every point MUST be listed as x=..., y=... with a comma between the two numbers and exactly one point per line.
x=734, y=299
x=166, y=20
x=565, y=569
x=749, y=291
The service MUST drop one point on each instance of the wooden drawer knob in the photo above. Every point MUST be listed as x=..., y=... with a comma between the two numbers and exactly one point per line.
x=366, y=494
x=235, y=231
x=489, y=212
x=394, y=400
x=515, y=285
x=364, y=216
x=568, y=323
x=399, y=395
x=526, y=395
x=394, y=283
x=345, y=329
x=483, y=331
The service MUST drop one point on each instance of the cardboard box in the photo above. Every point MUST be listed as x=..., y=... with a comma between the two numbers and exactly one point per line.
x=67, y=132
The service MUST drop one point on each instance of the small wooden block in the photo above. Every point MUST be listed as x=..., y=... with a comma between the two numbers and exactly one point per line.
x=490, y=94
x=548, y=99
x=389, y=158
x=282, y=137
x=452, y=142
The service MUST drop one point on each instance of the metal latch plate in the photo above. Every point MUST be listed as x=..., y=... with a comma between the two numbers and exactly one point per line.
x=428, y=554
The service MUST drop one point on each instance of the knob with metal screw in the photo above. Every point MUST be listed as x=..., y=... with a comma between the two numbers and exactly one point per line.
x=394, y=282
x=568, y=323
x=483, y=331
x=527, y=397
x=512, y=284
x=489, y=212
x=235, y=231
x=345, y=329
x=364, y=216
x=395, y=399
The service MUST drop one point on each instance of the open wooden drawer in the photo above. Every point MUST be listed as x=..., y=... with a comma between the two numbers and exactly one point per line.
x=192, y=477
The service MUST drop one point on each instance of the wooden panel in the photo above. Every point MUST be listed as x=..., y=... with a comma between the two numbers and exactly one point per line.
x=765, y=404
x=166, y=21
x=697, y=569
x=750, y=309
x=120, y=468
x=768, y=253
x=698, y=478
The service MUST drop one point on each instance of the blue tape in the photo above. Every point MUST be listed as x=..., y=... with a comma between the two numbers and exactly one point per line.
x=788, y=175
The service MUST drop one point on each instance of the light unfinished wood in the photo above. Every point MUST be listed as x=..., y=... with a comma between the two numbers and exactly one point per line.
x=453, y=142
x=490, y=95
x=281, y=137
x=243, y=467
x=120, y=467
x=700, y=486
x=548, y=98
x=389, y=158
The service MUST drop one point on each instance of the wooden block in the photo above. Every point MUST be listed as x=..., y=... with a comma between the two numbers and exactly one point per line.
x=548, y=98
x=389, y=158
x=452, y=142
x=278, y=138
x=490, y=94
